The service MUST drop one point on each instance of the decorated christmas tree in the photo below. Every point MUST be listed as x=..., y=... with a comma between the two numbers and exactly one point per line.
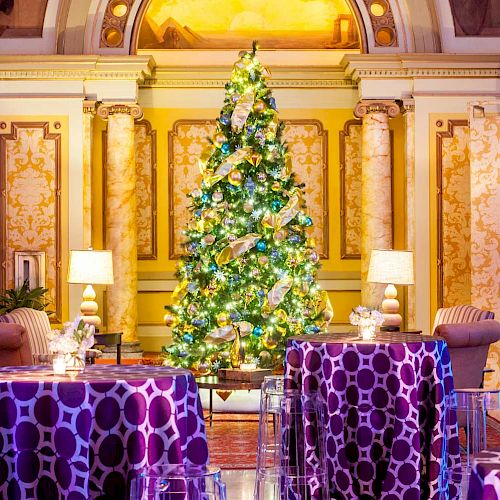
x=247, y=280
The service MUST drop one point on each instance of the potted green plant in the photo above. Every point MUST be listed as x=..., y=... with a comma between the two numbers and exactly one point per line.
x=14, y=298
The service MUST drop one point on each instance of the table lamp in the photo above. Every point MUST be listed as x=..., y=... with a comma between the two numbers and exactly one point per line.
x=392, y=267
x=90, y=267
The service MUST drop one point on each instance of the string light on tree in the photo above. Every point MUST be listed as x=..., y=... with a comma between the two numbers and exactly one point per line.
x=248, y=274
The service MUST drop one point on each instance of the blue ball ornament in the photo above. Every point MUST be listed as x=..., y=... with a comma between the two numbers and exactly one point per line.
x=205, y=198
x=225, y=119
x=213, y=267
x=295, y=238
x=308, y=278
x=235, y=316
x=198, y=213
x=182, y=354
x=276, y=205
x=272, y=103
x=312, y=329
x=308, y=221
x=225, y=148
x=198, y=322
x=261, y=293
x=257, y=331
x=261, y=246
x=188, y=338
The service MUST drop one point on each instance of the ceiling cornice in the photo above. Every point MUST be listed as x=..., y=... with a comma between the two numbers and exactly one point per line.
x=61, y=67
x=369, y=66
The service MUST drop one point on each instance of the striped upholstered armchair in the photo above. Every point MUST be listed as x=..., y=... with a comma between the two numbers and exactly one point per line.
x=460, y=314
x=37, y=325
x=469, y=332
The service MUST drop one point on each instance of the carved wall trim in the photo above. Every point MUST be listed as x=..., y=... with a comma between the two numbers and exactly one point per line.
x=4, y=241
x=114, y=23
x=153, y=210
x=172, y=181
x=367, y=106
x=343, y=135
x=105, y=110
x=447, y=134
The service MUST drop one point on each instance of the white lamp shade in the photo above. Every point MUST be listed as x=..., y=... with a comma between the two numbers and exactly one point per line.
x=90, y=267
x=391, y=266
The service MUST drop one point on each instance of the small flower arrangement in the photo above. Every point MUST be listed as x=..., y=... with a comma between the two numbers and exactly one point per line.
x=365, y=316
x=73, y=340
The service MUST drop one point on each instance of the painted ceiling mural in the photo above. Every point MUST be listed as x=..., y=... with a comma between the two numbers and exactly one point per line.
x=229, y=24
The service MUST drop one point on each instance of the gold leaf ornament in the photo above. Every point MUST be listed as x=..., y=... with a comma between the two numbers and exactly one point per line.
x=231, y=161
x=179, y=292
x=278, y=292
x=241, y=111
x=236, y=248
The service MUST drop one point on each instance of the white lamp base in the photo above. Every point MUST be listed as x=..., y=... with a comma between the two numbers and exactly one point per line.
x=89, y=308
x=390, y=308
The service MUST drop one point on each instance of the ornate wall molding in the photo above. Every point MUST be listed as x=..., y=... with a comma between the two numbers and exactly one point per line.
x=384, y=28
x=365, y=107
x=186, y=141
x=350, y=173
x=30, y=216
x=450, y=282
x=105, y=110
x=146, y=188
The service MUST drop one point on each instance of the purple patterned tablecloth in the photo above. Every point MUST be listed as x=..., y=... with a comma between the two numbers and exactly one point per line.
x=384, y=407
x=86, y=437
x=484, y=481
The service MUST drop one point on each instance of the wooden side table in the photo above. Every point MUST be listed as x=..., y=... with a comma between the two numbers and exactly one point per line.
x=212, y=382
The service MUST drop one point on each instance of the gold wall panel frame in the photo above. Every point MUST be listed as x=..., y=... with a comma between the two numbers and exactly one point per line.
x=440, y=135
x=153, y=209
x=13, y=135
x=172, y=134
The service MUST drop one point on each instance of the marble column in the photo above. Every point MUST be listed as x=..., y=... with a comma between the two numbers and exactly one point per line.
x=408, y=110
x=88, y=122
x=376, y=198
x=120, y=217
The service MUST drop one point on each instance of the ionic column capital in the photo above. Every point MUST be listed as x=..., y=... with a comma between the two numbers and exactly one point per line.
x=89, y=107
x=367, y=106
x=407, y=106
x=130, y=108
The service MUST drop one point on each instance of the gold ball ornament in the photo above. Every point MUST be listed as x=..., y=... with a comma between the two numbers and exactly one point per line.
x=220, y=139
x=255, y=159
x=281, y=315
x=209, y=239
x=265, y=359
x=263, y=260
x=192, y=308
x=302, y=290
x=248, y=207
x=270, y=340
x=209, y=214
x=203, y=368
x=205, y=292
x=327, y=315
x=310, y=242
x=223, y=319
x=235, y=177
x=279, y=235
x=276, y=186
x=171, y=320
x=281, y=330
x=259, y=106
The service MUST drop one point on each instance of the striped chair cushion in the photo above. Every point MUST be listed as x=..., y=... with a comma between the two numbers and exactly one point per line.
x=460, y=314
x=37, y=325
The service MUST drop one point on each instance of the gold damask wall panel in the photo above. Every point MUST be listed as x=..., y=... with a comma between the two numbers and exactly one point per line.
x=485, y=204
x=453, y=212
x=146, y=190
x=307, y=143
x=30, y=219
x=350, y=189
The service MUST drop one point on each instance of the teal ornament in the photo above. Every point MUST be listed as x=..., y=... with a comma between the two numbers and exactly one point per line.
x=261, y=246
x=188, y=338
x=276, y=205
x=205, y=197
x=225, y=148
x=308, y=221
x=257, y=331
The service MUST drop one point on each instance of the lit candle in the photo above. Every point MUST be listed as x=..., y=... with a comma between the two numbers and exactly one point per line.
x=58, y=364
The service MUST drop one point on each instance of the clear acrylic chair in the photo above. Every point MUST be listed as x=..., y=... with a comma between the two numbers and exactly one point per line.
x=291, y=461
x=178, y=482
x=468, y=409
